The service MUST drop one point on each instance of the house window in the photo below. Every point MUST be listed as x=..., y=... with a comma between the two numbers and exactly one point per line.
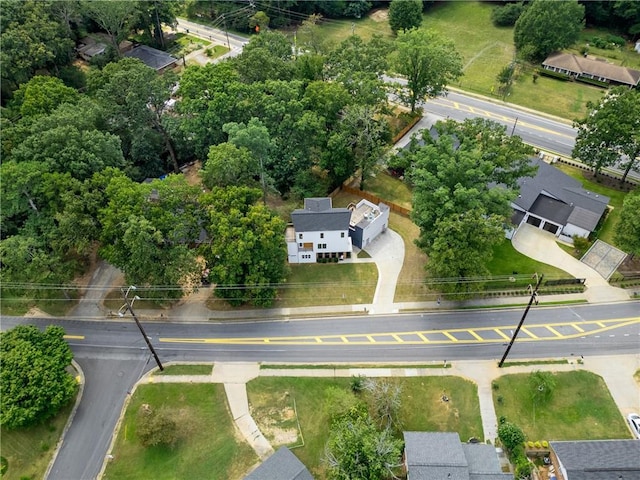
x=319, y=246
x=300, y=245
x=324, y=245
x=300, y=237
x=341, y=234
x=322, y=235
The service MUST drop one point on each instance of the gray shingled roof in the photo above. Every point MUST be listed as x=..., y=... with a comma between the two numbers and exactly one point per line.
x=318, y=216
x=589, y=66
x=556, y=184
x=434, y=449
x=551, y=209
x=156, y=59
x=599, y=459
x=282, y=465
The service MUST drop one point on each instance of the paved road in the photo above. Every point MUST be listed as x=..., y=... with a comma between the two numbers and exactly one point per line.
x=113, y=355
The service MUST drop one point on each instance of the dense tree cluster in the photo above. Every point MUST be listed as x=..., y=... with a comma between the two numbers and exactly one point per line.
x=35, y=381
x=463, y=177
x=546, y=26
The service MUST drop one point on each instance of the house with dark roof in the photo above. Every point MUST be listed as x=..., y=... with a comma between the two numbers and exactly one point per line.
x=442, y=456
x=555, y=202
x=282, y=465
x=584, y=67
x=154, y=58
x=320, y=231
x=596, y=460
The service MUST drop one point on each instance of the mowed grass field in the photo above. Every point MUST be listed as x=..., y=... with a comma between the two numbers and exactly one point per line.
x=485, y=50
x=581, y=408
x=209, y=446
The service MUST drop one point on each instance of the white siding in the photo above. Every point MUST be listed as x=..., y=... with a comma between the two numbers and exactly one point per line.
x=570, y=230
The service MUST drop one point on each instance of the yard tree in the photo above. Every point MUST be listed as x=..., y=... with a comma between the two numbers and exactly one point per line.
x=247, y=253
x=359, y=66
x=546, y=26
x=309, y=34
x=41, y=95
x=32, y=38
x=452, y=178
x=356, y=449
x=35, y=382
x=365, y=137
x=429, y=63
x=133, y=97
x=627, y=234
x=386, y=400
x=114, y=16
x=148, y=230
x=229, y=165
x=157, y=426
x=405, y=14
x=268, y=56
x=462, y=246
x=610, y=133
x=542, y=386
x=151, y=15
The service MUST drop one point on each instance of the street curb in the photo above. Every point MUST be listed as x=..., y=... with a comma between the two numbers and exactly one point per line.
x=76, y=365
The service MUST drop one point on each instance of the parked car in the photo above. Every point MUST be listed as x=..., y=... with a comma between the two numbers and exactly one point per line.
x=634, y=423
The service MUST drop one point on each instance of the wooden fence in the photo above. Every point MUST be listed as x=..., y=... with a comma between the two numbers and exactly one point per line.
x=405, y=212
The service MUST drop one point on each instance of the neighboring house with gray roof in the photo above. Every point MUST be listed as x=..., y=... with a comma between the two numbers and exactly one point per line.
x=596, y=460
x=555, y=202
x=441, y=456
x=151, y=57
x=282, y=465
x=584, y=67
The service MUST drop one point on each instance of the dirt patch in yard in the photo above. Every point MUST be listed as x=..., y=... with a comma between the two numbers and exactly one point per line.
x=379, y=15
x=277, y=424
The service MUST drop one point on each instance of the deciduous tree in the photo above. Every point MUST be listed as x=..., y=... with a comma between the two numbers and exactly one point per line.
x=546, y=26
x=247, y=252
x=429, y=63
x=356, y=449
x=627, y=234
x=405, y=14
x=229, y=165
x=610, y=133
x=35, y=382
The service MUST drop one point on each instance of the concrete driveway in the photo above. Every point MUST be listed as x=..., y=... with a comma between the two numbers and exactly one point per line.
x=542, y=246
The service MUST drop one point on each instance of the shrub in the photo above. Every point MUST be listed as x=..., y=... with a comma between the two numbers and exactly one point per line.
x=581, y=244
x=538, y=444
x=506, y=15
x=510, y=435
x=545, y=444
x=530, y=444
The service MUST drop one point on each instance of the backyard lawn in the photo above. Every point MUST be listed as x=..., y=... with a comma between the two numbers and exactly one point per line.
x=580, y=408
x=208, y=448
x=272, y=405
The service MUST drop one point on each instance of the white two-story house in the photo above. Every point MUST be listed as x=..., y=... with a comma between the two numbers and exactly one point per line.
x=318, y=231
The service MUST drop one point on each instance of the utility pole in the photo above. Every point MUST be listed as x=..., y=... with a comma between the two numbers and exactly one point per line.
x=226, y=31
x=514, y=126
x=129, y=306
x=534, y=295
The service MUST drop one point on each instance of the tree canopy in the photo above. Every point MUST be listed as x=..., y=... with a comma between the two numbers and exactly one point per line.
x=546, y=26
x=429, y=63
x=35, y=382
x=464, y=177
x=405, y=14
x=610, y=133
x=627, y=235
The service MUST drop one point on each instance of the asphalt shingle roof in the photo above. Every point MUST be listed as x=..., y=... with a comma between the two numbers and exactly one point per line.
x=589, y=66
x=318, y=216
x=282, y=465
x=599, y=459
x=156, y=59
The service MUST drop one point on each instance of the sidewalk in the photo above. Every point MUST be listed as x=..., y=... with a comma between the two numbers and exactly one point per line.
x=617, y=371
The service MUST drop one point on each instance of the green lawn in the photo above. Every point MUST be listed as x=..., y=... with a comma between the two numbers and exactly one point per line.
x=29, y=450
x=389, y=188
x=186, y=370
x=581, y=408
x=209, y=447
x=507, y=260
x=271, y=400
x=328, y=284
